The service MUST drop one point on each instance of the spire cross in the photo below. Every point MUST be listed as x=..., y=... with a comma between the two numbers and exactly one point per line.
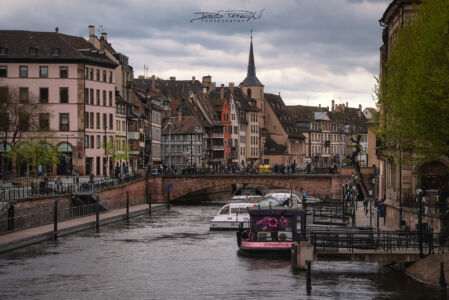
x=251, y=35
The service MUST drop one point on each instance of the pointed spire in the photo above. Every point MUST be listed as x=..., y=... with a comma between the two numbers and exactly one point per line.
x=251, y=78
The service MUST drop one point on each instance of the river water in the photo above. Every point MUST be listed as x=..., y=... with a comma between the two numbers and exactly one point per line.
x=173, y=255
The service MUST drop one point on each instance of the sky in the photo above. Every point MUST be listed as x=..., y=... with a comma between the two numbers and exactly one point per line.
x=309, y=51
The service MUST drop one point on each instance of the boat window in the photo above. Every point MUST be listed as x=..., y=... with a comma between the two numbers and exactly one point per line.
x=271, y=201
x=240, y=210
x=224, y=210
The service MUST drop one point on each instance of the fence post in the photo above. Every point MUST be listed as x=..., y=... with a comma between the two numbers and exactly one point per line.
x=442, y=276
x=127, y=205
x=55, y=220
x=97, y=215
x=309, y=278
x=11, y=216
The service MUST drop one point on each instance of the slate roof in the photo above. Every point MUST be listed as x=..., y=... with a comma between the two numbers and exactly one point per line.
x=173, y=89
x=19, y=42
x=304, y=114
x=251, y=78
x=286, y=119
x=350, y=116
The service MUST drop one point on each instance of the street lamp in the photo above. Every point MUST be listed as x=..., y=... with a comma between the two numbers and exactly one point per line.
x=370, y=192
x=419, y=194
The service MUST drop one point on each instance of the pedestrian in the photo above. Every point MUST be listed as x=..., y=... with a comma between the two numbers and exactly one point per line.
x=117, y=170
x=126, y=170
x=365, y=205
x=57, y=183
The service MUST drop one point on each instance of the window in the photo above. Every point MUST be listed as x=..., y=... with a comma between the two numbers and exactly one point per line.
x=43, y=72
x=23, y=95
x=110, y=76
x=44, y=122
x=86, y=120
x=92, y=145
x=23, y=71
x=64, y=122
x=63, y=72
x=91, y=74
x=64, y=95
x=56, y=52
x=3, y=51
x=104, y=76
x=86, y=96
x=105, y=121
x=98, y=97
x=91, y=96
x=32, y=51
x=43, y=95
x=24, y=121
x=110, y=98
x=98, y=75
x=111, y=121
x=86, y=73
x=86, y=141
x=98, y=141
x=104, y=98
x=3, y=94
x=98, y=120
x=92, y=120
x=3, y=71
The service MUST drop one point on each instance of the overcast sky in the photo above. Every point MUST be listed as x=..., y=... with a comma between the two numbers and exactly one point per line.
x=311, y=51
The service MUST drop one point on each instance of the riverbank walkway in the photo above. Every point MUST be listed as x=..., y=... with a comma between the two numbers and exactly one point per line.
x=33, y=235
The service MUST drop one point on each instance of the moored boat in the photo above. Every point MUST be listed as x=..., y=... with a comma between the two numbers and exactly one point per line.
x=272, y=230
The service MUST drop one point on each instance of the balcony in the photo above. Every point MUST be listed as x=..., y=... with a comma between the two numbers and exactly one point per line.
x=217, y=135
x=217, y=147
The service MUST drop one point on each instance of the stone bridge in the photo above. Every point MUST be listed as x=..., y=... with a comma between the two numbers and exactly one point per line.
x=314, y=184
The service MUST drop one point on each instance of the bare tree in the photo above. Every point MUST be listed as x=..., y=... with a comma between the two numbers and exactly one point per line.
x=19, y=113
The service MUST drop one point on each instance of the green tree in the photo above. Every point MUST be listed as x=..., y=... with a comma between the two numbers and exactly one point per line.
x=35, y=152
x=413, y=92
x=115, y=152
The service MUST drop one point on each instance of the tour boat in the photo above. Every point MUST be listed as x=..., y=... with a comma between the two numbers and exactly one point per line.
x=232, y=215
x=272, y=230
x=250, y=193
x=285, y=196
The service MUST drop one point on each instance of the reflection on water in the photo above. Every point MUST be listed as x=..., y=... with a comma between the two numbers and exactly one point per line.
x=173, y=255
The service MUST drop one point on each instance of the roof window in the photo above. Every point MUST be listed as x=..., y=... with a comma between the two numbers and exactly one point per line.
x=56, y=51
x=32, y=51
x=3, y=51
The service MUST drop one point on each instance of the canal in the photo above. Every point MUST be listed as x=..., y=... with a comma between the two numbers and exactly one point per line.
x=173, y=255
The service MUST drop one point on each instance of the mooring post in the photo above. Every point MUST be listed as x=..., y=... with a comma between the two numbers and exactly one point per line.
x=443, y=283
x=294, y=255
x=97, y=215
x=11, y=216
x=149, y=201
x=55, y=220
x=168, y=199
x=127, y=205
x=309, y=278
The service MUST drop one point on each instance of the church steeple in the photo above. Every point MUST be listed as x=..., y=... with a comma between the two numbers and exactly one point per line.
x=251, y=78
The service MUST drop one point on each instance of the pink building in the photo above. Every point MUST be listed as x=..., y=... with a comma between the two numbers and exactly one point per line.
x=74, y=83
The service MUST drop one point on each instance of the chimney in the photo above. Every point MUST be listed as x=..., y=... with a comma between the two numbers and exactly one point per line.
x=91, y=30
x=333, y=105
x=231, y=87
x=347, y=104
x=179, y=115
x=193, y=79
x=56, y=29
x=222, y=91
x=360, y=107
x=172, y=78
x=104, y=36
x=153, y=83
x=319, y=105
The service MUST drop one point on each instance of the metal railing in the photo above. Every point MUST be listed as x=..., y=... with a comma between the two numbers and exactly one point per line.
x=388, y=241
x=48, y=189
x=46, y=217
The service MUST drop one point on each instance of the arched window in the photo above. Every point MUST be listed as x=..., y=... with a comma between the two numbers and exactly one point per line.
x=249, y=93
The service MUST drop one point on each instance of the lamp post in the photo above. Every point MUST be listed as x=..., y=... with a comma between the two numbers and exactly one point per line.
x=370, y=192
x=420, y=211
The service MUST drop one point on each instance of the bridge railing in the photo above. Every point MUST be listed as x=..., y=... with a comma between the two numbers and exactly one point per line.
x=388, y=241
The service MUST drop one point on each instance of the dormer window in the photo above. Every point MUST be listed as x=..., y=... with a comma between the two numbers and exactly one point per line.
x=32, y=51
x=56, y=51
x=3, y=51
